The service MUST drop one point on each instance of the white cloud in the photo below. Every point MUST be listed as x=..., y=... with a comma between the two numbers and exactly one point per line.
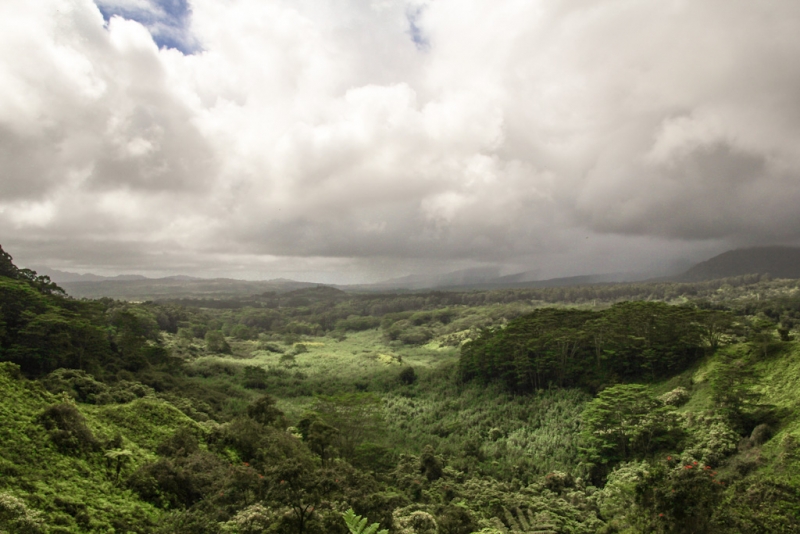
x=320, y=129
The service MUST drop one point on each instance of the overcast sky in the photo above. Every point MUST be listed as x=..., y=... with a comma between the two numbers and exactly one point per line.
x=356, y=140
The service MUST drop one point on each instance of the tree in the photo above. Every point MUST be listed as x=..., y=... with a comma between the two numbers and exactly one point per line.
x=714, y=326
x=407, y=376
x=118, y=457
x=7, y=267
x=263, y=410
x=624, y=422
x=321, y=438
x=731, y=392
x=357, y=416
x=296, y=483
x=677, y=498
x=215, y=342
x=761, y=332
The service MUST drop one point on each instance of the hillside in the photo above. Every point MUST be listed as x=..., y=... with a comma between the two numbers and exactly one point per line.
x=778, y=262
x=177, y=287
x=430, y=413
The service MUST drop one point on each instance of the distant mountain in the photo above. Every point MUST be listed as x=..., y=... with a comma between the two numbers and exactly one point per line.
x=427, y=281
x=66, y=277
x=528, y=279
x=487, y=278
x=139, y=289
x=60, y=277
x=778, y=262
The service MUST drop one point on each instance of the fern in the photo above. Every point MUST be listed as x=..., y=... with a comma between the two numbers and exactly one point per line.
x=526, y=525
x=358, y=524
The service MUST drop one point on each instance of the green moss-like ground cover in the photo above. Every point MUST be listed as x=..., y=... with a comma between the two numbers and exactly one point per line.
x=75, y=493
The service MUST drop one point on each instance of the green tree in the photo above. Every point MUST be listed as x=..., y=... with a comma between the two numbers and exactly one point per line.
x=264, y=411
x=215, y=342
x=296, y=483
x=322, y=438
x=357, y=416
x=714, y=326
x=732, y=393
x=677, y=498
x=761, y=333
x=624, y=422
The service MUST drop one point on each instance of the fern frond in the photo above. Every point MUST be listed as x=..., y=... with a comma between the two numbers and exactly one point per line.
x=522, y=524
x=358, y=524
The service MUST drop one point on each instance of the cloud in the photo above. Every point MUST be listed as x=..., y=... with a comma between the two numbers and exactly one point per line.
x=168, y=21
x=391, y=135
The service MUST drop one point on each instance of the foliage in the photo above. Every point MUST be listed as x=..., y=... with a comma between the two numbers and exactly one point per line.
x=625, y=422
x=17, y=517
x=215, y=342
x=678, y=497
x=358, y=524
x=67, y=428
x=569, y=347
x=448, y=412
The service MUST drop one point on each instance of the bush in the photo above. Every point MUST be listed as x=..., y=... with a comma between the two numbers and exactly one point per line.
x=67, y=428
x=16, y=517
x=358, y=323
x=78, y=384
x=677, y=397
x=416, y=522
x=407, y=376
x=270, y=347
x=215, y=342
x=255, y=519
x=264, y=411
x=179, y=482
x=255, y=377
x=182, y=443
x=416, y=336
x=125, y=391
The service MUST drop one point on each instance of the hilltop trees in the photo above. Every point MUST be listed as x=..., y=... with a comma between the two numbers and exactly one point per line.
x=568, y=348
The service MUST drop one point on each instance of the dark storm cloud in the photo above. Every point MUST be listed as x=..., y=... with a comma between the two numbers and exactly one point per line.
x=386, y=135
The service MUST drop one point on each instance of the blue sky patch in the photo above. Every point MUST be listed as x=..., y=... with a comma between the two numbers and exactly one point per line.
x=167, y=20
x=419, y=38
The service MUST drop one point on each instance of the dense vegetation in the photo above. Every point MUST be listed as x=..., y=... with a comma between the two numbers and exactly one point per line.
x=612, y=408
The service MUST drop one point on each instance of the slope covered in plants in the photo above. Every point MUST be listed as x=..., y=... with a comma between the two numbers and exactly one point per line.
x=450, y=413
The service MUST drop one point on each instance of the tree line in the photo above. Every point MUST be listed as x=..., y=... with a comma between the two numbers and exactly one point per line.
x=581, y=348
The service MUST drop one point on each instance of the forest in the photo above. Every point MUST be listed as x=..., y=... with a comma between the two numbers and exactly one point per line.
x=611, y=408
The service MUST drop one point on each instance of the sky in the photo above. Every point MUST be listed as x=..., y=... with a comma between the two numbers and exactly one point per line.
x=357, y=140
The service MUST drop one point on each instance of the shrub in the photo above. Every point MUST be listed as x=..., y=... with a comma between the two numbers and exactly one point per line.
x=78, y=384
x=264, y=411
x=255, y=519
x=416, y=522
x=255, y=377
x=407, y=376
x=182, y=443
x=676, y=397
x=270, y=347
x=67, y=428
x=215, y=342
x=181, y=481
x=15, y=516
x=761, y=434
